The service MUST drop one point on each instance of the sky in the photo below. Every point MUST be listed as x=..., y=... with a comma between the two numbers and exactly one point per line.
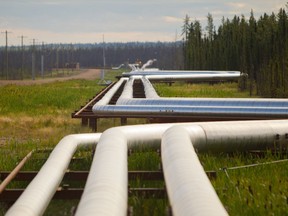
x=91, y=21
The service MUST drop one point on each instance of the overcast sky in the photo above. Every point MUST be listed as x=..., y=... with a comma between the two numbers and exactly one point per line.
x=86, y=21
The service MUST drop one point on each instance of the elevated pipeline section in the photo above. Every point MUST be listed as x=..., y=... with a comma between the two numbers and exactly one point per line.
x=194, y=108
x=189, y=190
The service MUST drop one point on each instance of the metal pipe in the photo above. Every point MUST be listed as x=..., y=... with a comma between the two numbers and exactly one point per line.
x=106, y=188
x=108, y=96
x=40, y=191
x=14, y=172
x=187, y=185
x=105, y=192
x=148, y=88
x=230, y=108
x=127, y=92
x=199, y=112
x=189, y=189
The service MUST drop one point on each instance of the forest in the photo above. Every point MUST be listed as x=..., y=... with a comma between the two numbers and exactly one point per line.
x=258, y=48
x=17, y=62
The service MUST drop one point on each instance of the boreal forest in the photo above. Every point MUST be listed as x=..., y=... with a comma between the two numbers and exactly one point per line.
x=17, y=64
x=258, y=47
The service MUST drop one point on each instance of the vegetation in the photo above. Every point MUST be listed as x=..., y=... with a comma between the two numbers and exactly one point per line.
x=258, y=48
x=220, y=90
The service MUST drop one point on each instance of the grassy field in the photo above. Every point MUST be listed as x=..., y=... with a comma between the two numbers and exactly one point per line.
x=38, y=116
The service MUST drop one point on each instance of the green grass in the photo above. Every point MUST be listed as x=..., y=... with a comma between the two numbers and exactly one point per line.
x=38, y=116
x=46, y=98
x=219, y=90
x=259, y=190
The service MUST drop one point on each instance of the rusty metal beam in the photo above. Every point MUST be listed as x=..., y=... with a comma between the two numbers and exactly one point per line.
x=14, y=172
x=11, y=195
x=82, y=175
x=93, y=100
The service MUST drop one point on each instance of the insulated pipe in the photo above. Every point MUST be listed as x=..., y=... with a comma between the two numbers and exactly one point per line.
x=106, y=188
x=112, y=150
x=185, y=75
x=195, y=77
x=40, y=191
x=127, y=92
x=200, y=112
x=189, y=190
x=105, y=192
x=148, y=88
x=216, y=102
x=177, y=72
x=108, y=96
x=204, y=107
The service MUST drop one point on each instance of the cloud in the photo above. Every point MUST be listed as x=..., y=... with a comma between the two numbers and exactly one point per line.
x=136, y=20
x=171, y=19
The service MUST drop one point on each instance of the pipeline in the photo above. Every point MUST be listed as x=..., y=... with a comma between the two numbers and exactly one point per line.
x=187, y=185
x=108, y=96
x=36, y=197
x=204, y=108
x=105, y=192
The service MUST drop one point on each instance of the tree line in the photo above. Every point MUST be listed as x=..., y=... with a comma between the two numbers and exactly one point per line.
x=258, y=48
x=18, y=62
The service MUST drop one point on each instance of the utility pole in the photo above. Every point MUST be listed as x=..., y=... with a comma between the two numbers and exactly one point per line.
x=42, y=60
x=22, y=48
x=33, y=59
x=104, y=59
x=6, y=53
x=102, y=75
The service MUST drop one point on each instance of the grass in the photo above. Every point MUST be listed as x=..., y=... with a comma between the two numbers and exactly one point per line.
x=219, y=90
x=259, y=190
x=37, y=117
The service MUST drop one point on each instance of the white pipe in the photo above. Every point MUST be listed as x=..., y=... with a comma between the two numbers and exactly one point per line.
x=106, y=188
x=149, y=89
x=105, y=192
x=189, y=190
x=108, y=96
x=40, y=191
x=194, y=77
x=153, y=105
x=127, y=92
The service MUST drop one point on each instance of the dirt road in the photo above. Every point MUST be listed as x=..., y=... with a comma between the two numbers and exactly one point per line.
x=89, y=74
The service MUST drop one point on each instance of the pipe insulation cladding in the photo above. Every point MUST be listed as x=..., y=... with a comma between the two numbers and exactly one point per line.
x=105, y=192
x=189, y=189
x=205, y=108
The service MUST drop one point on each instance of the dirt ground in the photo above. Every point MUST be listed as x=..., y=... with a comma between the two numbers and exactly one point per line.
x=89, y=74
